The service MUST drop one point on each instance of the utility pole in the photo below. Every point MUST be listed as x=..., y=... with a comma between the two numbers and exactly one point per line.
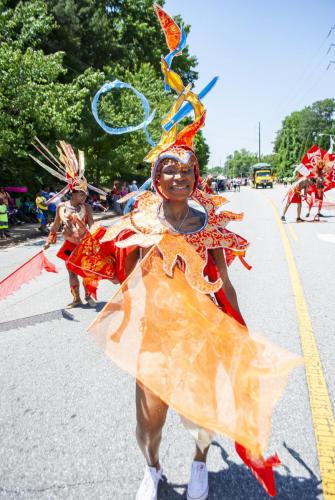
x=259, y=142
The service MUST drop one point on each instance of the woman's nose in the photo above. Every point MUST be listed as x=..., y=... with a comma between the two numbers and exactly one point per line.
x=180, y=174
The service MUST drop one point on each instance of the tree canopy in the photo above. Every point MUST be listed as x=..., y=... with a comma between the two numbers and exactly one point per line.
x=33, y=99
x=214, y=171
x=54, y=56
x=300, y=130
x=238, y=164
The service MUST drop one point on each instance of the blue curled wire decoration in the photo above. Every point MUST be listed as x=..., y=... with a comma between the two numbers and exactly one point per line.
x=117, y=84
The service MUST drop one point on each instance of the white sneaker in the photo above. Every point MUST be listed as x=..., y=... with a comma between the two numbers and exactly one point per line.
x=198, y=486
x=149, y=485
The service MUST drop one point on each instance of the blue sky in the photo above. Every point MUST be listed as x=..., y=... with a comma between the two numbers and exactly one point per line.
x=270, y=57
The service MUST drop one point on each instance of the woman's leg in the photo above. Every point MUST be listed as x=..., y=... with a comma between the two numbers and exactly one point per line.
x=73, y=280
x=285, y=209
x=151, y=415
x=298, y=211
x=74, y=287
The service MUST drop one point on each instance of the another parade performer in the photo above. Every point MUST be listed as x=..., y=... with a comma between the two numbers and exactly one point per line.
x=174, y=323
x=296, y=194
x=320, y=165
x=74, y=215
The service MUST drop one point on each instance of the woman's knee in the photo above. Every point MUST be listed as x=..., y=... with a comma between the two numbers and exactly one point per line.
x=150, y=413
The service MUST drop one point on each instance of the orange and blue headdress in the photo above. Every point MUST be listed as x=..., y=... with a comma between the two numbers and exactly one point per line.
x=173, y=143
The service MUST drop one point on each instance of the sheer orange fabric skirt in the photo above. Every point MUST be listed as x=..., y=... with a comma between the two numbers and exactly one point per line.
x=197, y=359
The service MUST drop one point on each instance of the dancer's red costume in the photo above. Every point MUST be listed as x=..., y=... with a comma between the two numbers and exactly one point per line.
x=74, y=217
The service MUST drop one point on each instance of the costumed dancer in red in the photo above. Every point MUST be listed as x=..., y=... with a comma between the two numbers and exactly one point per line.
x=296, y=194
x=320, y=165
x=74, y=215
x=174, y=323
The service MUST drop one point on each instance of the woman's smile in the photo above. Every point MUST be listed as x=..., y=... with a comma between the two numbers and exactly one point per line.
x=180, y=187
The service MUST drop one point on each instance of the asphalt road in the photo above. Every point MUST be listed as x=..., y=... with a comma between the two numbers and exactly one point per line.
x=67, y=414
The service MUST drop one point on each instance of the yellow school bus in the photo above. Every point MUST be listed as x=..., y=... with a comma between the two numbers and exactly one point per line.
x=261, y=175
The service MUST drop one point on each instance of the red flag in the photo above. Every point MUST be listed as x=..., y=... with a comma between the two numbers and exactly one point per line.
x=261, y=468
x=320, y=163
x=23, y=274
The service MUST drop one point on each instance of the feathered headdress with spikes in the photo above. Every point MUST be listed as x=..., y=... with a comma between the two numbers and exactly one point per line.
x=68, y=168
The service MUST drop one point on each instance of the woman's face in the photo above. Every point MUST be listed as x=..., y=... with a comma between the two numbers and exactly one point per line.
x=175, y=180
x=79, y=197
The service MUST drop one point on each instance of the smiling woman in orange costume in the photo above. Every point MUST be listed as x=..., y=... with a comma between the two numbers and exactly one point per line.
x=174, y=322
x=164, y=326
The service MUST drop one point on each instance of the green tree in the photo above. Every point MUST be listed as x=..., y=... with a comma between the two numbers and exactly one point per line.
x=239, y=163
x=300, y=130
x=216, y=171
x=98, y=33
x=272, y=159
x=202, y=151
x=32, y=99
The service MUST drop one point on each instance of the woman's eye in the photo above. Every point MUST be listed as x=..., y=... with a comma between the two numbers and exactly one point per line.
x=170, y=171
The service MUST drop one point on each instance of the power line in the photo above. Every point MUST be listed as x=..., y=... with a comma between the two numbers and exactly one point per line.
x=313, y=68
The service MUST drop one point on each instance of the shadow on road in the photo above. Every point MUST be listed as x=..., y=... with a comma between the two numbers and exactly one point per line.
x=237, y=483
x=36, y=319
x=100, y=306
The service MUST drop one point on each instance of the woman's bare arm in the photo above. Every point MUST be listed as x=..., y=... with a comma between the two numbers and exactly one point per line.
x=57, y=222
x=90, y=220
x=54, y=228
